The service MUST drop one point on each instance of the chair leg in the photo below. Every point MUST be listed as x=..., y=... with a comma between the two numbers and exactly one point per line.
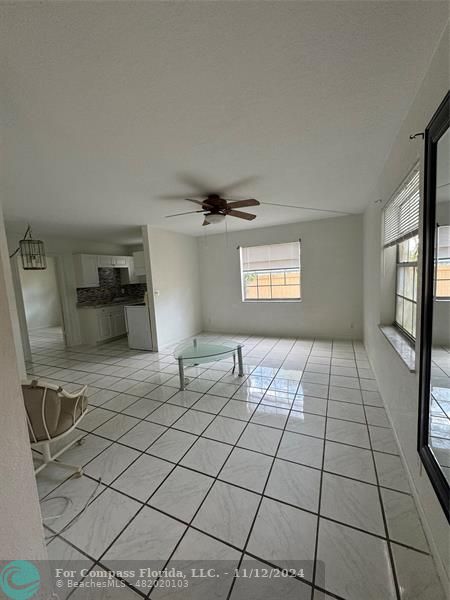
x=78, y=469
x=46, y=453
x=48, y=459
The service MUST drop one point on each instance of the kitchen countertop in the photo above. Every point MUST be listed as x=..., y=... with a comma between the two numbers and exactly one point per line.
x=128, y=302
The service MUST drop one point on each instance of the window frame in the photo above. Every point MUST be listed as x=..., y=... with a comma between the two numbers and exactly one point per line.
x=401, y=219
x=399, y=265
x=270, y=271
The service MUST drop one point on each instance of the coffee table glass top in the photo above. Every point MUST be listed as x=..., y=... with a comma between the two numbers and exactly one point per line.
x=199, y=351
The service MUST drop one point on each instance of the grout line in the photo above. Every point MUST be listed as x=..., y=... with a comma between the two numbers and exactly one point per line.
x=146, y=503
x=190, y=524
x=316, y=545
x=380, y=498
x=262, y=496
x=258, y=404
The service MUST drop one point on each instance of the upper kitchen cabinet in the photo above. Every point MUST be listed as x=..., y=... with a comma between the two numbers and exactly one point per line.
x=113, y=261
x=105, y=261
x=135, y=269
x=86, y=270
x=139, y=263
x=128, y=272
x=87, y=265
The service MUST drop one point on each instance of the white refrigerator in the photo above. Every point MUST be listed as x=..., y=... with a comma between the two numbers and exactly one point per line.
x=139, y=331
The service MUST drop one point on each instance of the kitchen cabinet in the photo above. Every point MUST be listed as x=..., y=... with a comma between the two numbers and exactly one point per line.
x=139, y=264
x=127, y=273
x=112, y=261
x=120, y=261
x=105, y=261
x=104, y=328
x=133, y=272
x=118, y=324
x=99, y=324
x=86, y=270
x=87, y=265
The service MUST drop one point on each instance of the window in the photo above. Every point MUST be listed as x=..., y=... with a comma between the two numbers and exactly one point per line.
x=401, y=214
x=401, y=224
x=443, y=263
x=271, y=272
x=406, y=286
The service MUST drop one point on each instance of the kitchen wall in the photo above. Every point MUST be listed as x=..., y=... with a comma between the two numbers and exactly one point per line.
x=175, y=284
x=399, y=387
x=41, y=296
x=331, y=263
x=110, y=287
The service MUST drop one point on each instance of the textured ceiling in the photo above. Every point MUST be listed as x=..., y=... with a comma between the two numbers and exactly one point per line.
x=107, y=106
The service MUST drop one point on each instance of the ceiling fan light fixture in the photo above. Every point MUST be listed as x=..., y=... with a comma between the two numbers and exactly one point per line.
x=213, y=219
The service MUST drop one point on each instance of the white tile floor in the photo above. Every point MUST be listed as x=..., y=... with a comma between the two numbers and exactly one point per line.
x=293, y=464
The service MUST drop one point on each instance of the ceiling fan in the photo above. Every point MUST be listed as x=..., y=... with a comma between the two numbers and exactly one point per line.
x=214, y=207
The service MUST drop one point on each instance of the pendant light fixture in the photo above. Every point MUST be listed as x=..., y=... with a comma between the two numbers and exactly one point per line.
x=32, y=252
x=214, y=218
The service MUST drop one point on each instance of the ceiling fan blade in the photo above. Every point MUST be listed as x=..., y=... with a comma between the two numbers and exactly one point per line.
x=242, y=203
x=201, y=202
x=191, y=212
x=205, y=222
x=241, y=215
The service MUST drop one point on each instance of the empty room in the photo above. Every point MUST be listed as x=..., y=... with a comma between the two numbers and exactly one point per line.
x=225, y=300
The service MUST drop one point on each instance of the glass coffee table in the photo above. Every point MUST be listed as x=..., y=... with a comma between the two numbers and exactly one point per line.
x=196, y=352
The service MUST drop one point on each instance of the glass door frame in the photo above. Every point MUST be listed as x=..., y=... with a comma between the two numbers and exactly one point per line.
x=437, y=127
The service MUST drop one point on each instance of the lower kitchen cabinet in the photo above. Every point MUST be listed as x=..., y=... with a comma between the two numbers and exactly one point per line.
x=101, y=324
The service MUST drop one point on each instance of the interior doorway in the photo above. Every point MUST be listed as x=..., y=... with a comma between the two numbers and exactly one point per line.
x=42, y=305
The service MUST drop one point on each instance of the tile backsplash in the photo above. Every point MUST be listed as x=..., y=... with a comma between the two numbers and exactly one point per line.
x=110, y=287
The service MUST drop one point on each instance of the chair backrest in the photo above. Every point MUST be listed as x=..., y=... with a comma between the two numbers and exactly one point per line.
x=50, y=410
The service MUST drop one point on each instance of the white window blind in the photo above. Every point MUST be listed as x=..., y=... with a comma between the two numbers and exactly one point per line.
x=401, y=214
x=271, y=272
x=271, y=257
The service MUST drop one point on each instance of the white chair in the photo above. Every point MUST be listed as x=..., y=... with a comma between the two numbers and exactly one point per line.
x=53, y=413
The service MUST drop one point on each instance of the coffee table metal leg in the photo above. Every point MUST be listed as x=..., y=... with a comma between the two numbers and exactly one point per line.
x=240, y=362
x=181, y=373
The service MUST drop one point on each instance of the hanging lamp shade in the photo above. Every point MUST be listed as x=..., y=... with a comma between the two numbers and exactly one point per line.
x=214, y=218
x=32, y=253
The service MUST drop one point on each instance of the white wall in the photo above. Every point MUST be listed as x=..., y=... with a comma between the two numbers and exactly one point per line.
x=398, y=386
x=61, y=245
x=21, y=534
x=17, y=334
x=41, y=296
x=175, y=284
x=331, y=262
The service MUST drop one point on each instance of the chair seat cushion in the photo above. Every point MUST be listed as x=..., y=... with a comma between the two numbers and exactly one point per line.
x=49, y=413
